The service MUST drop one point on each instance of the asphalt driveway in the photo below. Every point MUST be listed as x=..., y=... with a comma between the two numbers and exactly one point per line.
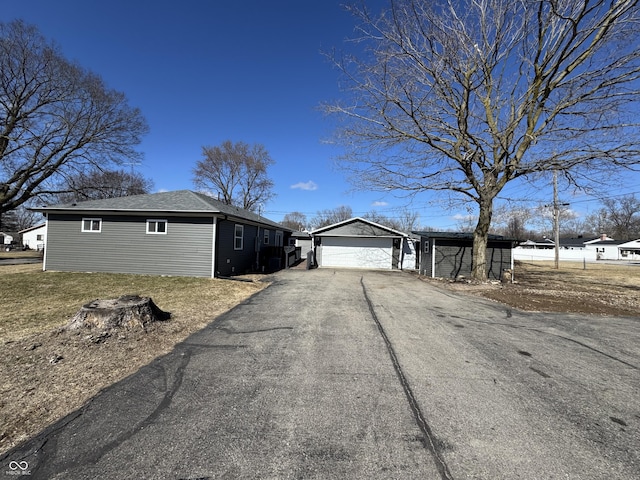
x=357, y=374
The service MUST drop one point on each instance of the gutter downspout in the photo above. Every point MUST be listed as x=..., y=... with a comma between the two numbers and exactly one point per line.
x=433, y=257
x=214, y=246
x=513, y=272
x=46, y=241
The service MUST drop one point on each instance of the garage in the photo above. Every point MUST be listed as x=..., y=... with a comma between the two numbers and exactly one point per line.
x=357, y=252
x=358, y=243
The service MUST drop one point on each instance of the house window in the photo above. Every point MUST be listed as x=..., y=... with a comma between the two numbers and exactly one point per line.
x=278, y=238
x=238, y=237
x=426, y=246
x=157, y=227
x=39, y=237
x=92, y=225
x=266, y=237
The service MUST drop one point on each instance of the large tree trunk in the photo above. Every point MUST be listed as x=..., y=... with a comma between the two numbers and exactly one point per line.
x=127, y=311
x=480, y=240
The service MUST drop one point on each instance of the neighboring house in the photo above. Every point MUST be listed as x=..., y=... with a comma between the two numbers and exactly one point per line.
x=605, y=248
x=450, y=254
x=180, y=233
x=34, y=237
x=629, y=250
x=361, y=243
x=544, y=244
x=571, y=249
x=6, y=239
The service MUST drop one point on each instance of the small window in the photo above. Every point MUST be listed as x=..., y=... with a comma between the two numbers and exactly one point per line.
x=39, y=237
x=426, y=246
x=157, y=227
x=278, y=238
x=238, y=237
x=92, y=225
x=266, y=237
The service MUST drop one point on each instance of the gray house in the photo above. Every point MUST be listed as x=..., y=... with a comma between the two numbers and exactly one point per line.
x=181, y=233
x=449, y=254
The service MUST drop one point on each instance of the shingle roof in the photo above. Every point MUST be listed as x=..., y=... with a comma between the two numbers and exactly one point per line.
x=179, y=201
x=458, y=235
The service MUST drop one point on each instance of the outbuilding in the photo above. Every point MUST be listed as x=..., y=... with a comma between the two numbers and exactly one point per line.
x=360, y=243
x=449, y=254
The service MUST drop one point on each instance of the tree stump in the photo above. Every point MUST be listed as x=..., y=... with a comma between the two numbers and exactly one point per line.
x=128, y=311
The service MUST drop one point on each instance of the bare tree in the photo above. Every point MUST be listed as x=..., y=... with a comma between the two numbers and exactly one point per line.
x=296, y=221
x=621, y=217
x=512, y=222
x=467, y=96
x=381, y=219
x=56, y=118
x=331, y=216
x=237, y=173
x=402, y=219
x=19, y=219
x=98, y=184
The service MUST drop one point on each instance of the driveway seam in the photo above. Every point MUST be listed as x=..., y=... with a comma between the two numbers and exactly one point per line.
x=429, y=440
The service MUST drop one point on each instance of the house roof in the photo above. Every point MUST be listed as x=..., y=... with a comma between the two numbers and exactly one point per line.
x=175, y=202
x=35, y=227
x=460, y=236
x=375, y=229
x=302, y=235
x=571, y=242
x=630, y=244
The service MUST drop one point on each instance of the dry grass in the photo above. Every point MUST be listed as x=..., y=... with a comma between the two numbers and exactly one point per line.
x=36, y=390
x=597, y=288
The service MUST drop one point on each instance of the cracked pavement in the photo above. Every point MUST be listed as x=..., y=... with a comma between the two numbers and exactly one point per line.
x=364, y=374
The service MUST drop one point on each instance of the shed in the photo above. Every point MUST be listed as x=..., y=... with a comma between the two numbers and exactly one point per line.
x=359, y=243
x=450, y=254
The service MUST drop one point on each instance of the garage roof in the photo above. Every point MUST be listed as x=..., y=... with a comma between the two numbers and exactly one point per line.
x=357, y=227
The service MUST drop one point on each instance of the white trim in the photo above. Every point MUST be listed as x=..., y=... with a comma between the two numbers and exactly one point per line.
x=354, y=219
x=235, y=236
x=46, y=247
x=433, y=258
x=91, y=219
x=157, y=222
x=213, y=247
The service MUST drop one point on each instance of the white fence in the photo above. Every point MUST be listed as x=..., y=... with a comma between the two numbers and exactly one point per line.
x=532, y=254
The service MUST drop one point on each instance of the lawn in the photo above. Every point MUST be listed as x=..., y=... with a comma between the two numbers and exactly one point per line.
x=46, y=373
x=594, y=288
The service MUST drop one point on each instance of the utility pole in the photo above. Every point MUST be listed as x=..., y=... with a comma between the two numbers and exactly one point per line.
x=556, y=220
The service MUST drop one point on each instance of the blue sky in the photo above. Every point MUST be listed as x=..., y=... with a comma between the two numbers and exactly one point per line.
x=245, y=70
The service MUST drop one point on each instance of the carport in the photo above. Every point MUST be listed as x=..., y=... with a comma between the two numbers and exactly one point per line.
x=358, y=243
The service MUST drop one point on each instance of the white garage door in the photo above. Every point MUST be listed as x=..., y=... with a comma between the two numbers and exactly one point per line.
x=356, y=252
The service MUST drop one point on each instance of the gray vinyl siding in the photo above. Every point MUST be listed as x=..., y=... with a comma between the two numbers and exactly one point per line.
x=123, y=246
x=454, y=258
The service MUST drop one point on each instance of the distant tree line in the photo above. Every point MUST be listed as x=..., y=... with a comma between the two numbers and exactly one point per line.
x=403, y=220
x=619, y=218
